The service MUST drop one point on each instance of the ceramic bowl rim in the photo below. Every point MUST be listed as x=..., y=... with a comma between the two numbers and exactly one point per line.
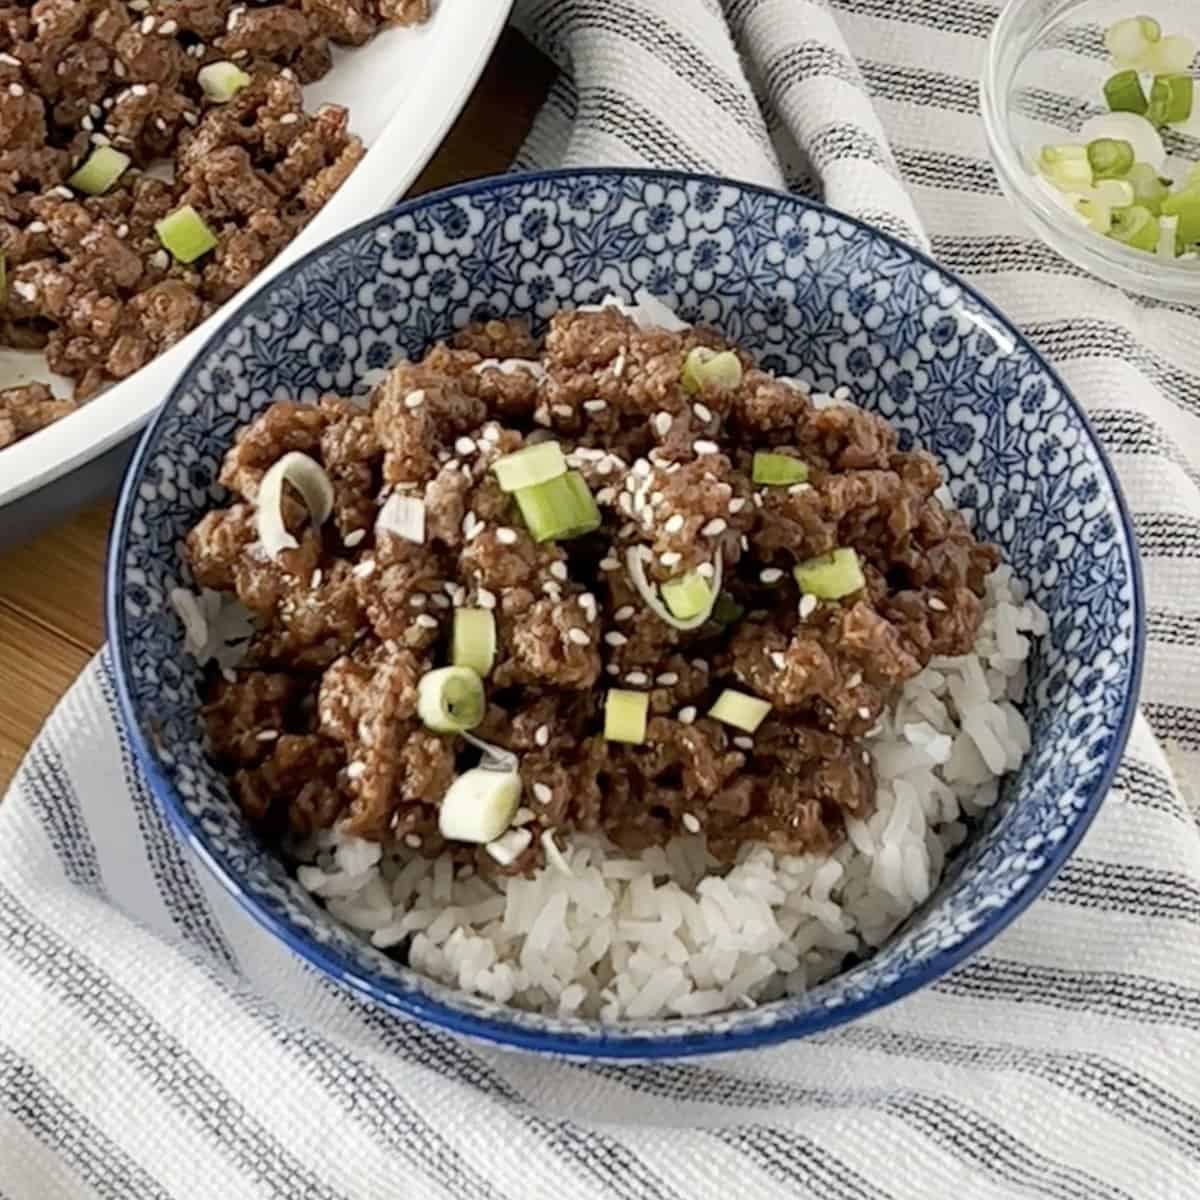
x=592, y=1039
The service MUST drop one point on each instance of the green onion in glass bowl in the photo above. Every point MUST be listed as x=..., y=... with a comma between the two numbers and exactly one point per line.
x=1120, y=125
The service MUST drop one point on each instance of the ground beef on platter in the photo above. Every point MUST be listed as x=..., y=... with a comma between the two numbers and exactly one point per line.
x=88, y=282
x=319, y=725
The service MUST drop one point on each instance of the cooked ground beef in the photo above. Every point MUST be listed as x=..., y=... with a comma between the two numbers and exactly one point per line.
x=88, y=281
x=320, y=724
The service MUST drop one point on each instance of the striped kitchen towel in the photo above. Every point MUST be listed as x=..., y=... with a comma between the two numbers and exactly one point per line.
x=155, y=1043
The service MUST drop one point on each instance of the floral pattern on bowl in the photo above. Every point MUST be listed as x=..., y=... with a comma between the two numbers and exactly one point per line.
x=811, y=294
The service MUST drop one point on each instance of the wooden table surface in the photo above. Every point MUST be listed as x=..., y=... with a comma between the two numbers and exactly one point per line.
x=51, y=619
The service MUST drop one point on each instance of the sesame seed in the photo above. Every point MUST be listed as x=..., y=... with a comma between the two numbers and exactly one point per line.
x=770, y=575
x=439, y=601
x=690, y=823
x=415, y=399
x=705, y=447
x=588, y=603
x=541, y=415
x=662, y=423
x=605, y=496
x=841, y=393
x=641, y=467
x=10, y=60
x=426, y=621
x=542, y=735
x=615, y=639
x=865, y=713
x=140, y=89
x=100, y=139
x=744, y=542
x=266, y=735
x=578, y=636
x=486, y=599
x=706, y=570
x=613, y=669
x=854, y=680
x=623, y=613
x=562, y=410
x=702, y=411
x=36, y=227
x=744, y=743
x=715, y=527
x=167, y=28
x=364, y=569
x=289, y=118
x=595, y=405
x=758, y=500
x=670, y=558
x=356, y=770
x=674, y=524
x=609, y=564
x=542, y=793
x=65, y=193
x=491, y=435
x=797, y=488
x=353, y=538
x=637, y=678
x=506, y=536
x=667, y=679
x=698, y=664
x=465, y=446
x=552, y=589
x=808, y=605
x=87, y=123
x=15, y=90
x=122, y=230
x=160, y=261
x=936, y=604
x=315, y=581
x=417, y=601
x=412, y=841
x=687, y=715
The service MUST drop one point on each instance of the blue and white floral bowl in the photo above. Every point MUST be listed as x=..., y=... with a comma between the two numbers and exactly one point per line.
x=811, y=293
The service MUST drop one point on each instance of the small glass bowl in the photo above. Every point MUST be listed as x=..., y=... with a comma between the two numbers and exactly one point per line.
x=1044, y=75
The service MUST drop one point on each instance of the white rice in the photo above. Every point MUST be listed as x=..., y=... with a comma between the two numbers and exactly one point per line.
x=664, y=933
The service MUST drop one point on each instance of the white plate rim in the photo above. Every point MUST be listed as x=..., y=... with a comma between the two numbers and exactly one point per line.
x=404, y=146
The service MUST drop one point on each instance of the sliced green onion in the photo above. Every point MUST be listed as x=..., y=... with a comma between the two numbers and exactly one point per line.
x=1095, y=212
x=530, y=466
x=1171, y=98
x=1167, y=231
x=308, y=477
x=688, y=595
x=473, y=642
x=739, y=710
x=1067, y=167
x=635, y=565
x=1171, y=56
x=1116, y=193
x=1149, y=191
x=777, y=470
x=831, y=576
x=1185, y=206
x=559, y=508
x=221, y=81
x=703, y=365
x=1124, y=93
x=450, y=699
x=727, y=611
x=99, y=171
x=185, y=235
x=479, y=805
x=1135, y=226
x=1129, y=41
x=1110, y=158
x=625, y=716
x=1141, y=134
